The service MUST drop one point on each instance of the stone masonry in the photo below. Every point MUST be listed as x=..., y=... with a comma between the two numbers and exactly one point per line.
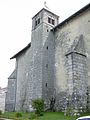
x=2, y=98
x=11, y=93
x=55, y=66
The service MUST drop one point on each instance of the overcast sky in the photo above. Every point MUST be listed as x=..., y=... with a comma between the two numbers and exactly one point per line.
x=15, y=26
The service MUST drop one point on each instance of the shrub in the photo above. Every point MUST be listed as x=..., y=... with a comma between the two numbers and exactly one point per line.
x=32, y=116
x=69, y=111
x=18, y=114
x=38, y=106
x=0, y=113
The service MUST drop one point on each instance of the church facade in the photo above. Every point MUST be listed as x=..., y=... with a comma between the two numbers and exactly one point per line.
x=55, y=66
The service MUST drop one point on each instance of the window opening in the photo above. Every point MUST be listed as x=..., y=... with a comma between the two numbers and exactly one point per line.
x=51, y=21
x=46, y=85
x=37, y=22
x=47, y=47
x=46, y=65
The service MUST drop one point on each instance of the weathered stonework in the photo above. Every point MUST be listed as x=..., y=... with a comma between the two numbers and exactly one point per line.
x=2, y=98
x=41, y=48
x=77, y=80
x=65, y=37
x=23, y=67
x=11, y=93
x=55, y=67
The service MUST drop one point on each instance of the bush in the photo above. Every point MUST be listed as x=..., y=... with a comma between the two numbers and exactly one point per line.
x=0, y=112
x=32, y=116
x=69, y=111
x=18, y=114
x=38, y=106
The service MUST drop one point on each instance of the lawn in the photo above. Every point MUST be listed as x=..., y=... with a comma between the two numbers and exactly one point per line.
x=46, y=116
x=56, y=116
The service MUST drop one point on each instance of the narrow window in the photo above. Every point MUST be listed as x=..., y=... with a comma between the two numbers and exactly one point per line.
x=36, y=23
x=46, y=84
x=49, y=19
x=47, y=47
x=47, y=30
x=46, y=65
x=38, y=20
x=53, y=21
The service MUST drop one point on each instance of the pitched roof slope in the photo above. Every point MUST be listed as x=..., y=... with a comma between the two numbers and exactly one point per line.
x=20, y=52
x=45, y=10
x=72, y=16
x=78, y=46
x=13, y=75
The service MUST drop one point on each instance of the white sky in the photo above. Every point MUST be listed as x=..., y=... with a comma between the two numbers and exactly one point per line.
x=15, y=26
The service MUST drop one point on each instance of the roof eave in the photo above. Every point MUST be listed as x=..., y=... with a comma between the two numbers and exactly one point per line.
x=45, y=10
x=72, y=16
x=17, y=54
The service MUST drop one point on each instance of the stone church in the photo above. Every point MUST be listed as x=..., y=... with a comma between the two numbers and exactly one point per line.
x=55, y=66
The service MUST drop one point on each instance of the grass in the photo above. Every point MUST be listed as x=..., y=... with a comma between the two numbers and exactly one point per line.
x=56, y=116
x=12, y=115
x=46, y=116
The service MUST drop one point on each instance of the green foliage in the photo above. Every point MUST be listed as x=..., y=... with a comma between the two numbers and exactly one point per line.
x=38, y=106
x=32, y=116
x=0, y=112
x=52, y=103
x=18, y=114
x=69, y=111
x=47, y=116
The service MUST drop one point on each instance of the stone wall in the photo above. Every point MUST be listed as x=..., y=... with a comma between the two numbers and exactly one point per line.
x=2, y=98
x=42, y=48
x=56, y=67
x=29, y=84
x=11, y=93
x=64, y=38
x=77, y=80
x=48, y=73
x=22, y=66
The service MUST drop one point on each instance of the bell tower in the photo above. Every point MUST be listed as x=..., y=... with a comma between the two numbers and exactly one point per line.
x=44, y=16
x=42, y=23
